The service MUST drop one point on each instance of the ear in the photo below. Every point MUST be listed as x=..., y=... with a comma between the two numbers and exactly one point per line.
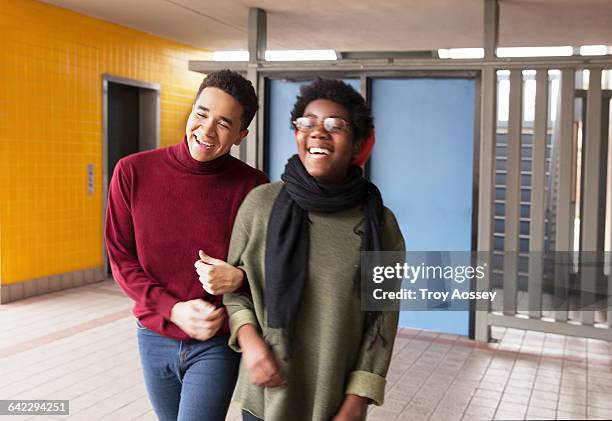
x=366, y=149
x=358, y=147
x=241, y=136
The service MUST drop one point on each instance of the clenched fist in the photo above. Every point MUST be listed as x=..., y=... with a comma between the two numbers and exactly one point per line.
x=258, y=359
x=198, y=318
x=218, y=277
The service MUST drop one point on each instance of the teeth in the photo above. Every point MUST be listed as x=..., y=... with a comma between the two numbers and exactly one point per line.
x=318, y=151
x=201, y=142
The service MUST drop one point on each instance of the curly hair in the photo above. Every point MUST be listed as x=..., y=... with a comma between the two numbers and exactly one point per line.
x=234, y=84
x=341, y=93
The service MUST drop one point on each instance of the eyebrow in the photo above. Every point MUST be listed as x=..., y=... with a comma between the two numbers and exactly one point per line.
x=226, y=119
x=329, y=116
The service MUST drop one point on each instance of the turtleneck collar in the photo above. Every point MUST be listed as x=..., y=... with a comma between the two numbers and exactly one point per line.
x=182, y=156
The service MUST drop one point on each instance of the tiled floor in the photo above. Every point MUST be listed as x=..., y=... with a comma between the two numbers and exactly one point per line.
x=80, y=345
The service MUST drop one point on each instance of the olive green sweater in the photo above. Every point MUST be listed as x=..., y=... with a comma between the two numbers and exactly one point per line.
x=330, y=357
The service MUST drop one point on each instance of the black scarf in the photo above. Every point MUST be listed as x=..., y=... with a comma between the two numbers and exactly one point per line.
x=286, y=259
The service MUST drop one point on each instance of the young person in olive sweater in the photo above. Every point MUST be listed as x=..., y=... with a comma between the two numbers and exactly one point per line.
x=163, y=206
x=308, y=350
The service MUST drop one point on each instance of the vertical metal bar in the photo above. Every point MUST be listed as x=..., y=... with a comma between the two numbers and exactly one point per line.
x=248, y=147
x=609, y=300
x=563, y=221
x=538, y=182
x=591, y=222
x=491, y=28
x=538, y=169
x=365, y=89
x=606, y=191
x=105, y=175
x=257, y=49
x=606, y=173
x=363, y=86
x=486, y=192
x=258, y=34
x=603, y=166
x=261, y=122
x=563, y=238
x=513, y=191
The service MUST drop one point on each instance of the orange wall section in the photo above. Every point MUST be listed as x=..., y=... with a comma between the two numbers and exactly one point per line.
x=51, y=66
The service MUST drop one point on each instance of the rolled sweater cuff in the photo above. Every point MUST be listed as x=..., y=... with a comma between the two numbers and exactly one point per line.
x=164, y=304
x=236, y=321
x=367, y=385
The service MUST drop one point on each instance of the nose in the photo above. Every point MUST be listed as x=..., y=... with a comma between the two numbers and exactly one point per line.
x=208, y=126
x=319, y=132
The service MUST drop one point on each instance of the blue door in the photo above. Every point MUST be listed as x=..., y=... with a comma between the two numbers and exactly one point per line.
x=423, y=165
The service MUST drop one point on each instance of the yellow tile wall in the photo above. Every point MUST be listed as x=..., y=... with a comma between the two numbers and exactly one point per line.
x=51, y=66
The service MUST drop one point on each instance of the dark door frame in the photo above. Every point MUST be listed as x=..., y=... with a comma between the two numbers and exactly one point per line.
x=149, y=92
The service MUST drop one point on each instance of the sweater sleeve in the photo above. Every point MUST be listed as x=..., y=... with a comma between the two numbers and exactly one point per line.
x=368, y=378
x=262, y=178
x=122, y=254
x=239, y=304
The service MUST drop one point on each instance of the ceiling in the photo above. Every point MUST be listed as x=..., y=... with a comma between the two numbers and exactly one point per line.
x=359, y=25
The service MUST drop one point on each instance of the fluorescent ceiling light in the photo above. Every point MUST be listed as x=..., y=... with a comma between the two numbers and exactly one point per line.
x=505, y=72
x=300, y=55
x=460, y=53
x=593, y=50
x=278, y=55
x=231, y=56
x=535, y=51
x=443, y=53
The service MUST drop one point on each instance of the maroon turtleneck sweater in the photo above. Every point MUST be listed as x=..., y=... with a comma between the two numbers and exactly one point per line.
x=164, y=206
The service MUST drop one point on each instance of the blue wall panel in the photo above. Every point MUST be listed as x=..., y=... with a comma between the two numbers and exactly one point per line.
x=422, y=163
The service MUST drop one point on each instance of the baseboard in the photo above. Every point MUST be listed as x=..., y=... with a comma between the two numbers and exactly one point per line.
x=47, y=284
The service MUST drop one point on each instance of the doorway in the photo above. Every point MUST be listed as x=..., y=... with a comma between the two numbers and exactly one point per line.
x=130, y=124
x=423, y=163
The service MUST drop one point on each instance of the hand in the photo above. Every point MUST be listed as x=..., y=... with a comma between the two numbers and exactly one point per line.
x=353, y=409
x=258, y=359
x=198, y=318
x=218, y=277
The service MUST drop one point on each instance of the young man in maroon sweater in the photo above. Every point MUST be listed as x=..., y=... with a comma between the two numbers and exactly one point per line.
x=163, y=206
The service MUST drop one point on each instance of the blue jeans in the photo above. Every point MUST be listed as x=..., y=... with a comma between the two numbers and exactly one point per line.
x=188, y=380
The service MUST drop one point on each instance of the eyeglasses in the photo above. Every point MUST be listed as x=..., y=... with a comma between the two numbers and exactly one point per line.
x=330, y=124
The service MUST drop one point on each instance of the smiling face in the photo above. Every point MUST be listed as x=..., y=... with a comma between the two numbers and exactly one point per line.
x=214, y=125
x=326, y=156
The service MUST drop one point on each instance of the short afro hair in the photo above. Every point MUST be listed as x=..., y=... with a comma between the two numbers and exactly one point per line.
x=341, y=93
x=234, y=84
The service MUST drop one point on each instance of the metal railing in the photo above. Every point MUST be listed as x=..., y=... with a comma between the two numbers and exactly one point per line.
x=568, y=184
